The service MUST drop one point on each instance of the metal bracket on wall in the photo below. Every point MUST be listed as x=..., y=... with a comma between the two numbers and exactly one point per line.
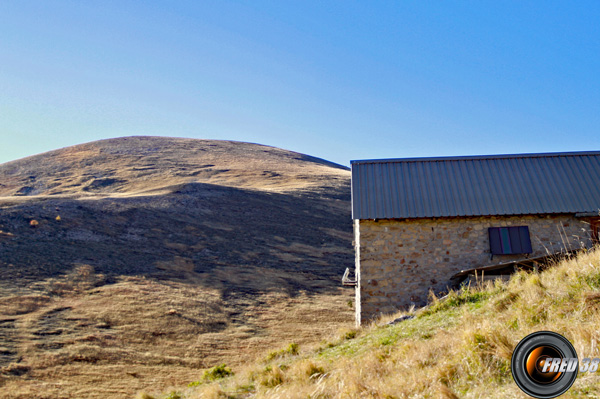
x=346, y=279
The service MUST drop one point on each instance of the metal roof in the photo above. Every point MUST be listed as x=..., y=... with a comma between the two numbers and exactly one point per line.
x=476, y=185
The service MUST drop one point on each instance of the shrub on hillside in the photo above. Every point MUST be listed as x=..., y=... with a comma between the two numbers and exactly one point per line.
x=217, y=372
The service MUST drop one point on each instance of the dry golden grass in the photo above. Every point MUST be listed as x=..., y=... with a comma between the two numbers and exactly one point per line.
x=139, y=334
x=130, y=166
x=459, y=347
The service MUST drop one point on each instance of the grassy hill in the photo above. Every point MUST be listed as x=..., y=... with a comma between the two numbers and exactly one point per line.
x=135, y=263
x=146, y=165
x=459, y=347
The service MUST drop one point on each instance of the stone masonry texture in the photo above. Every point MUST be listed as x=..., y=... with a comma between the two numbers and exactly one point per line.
x=399, y=261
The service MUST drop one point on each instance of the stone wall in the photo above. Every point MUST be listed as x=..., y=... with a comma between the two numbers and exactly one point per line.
x=399, y=261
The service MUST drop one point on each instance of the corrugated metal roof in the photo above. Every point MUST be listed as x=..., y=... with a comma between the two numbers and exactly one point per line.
x=476, y=185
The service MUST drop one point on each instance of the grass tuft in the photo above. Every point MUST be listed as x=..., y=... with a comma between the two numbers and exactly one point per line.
x=174, y=395
x=291, y=349
x=272, y=377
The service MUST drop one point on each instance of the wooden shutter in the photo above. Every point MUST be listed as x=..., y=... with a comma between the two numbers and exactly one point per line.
x=495, y=241
x=509, y=240
x=525, y=240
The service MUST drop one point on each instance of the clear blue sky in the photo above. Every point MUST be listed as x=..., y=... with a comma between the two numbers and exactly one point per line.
x=339, y=80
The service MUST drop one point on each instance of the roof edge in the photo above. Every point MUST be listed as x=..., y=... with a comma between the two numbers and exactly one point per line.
x=477, y=157
x=477, y=215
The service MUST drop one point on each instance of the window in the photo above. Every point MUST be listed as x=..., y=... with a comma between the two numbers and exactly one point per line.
x=509, y=240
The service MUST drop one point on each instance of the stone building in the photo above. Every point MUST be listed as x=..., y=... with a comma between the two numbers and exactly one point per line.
x=419, y=221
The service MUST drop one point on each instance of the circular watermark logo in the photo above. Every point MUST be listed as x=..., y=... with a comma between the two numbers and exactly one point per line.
x=544, y=364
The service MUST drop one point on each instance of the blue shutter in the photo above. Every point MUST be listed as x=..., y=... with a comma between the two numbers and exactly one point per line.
x=509, y=240
x=495, y=242
x=525, y=240
x=515, y=240
x=505, y=237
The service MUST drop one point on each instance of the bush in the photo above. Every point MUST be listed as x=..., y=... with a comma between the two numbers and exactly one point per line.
x=217, y=372
x=350, y=334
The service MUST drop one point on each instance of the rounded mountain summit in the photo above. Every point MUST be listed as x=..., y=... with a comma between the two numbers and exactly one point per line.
x=146, y=165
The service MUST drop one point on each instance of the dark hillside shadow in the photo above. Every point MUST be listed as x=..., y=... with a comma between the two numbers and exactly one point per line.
x=243, y=241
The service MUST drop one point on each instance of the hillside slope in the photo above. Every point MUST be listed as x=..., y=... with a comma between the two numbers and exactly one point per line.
x=135, y=262
x=144, y=165
x=459, y=347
